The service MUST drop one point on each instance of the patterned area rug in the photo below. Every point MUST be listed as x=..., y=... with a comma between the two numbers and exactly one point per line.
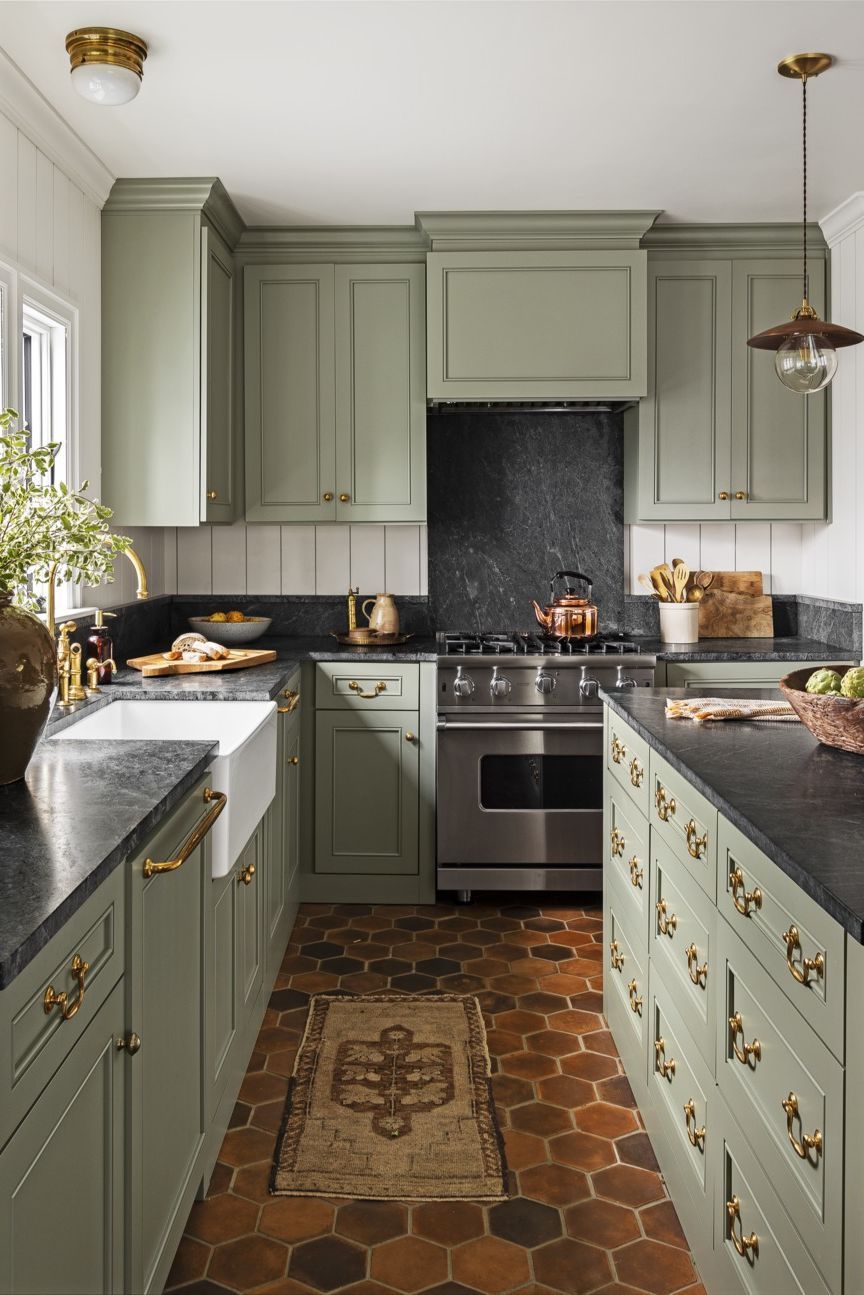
x=390, y=1099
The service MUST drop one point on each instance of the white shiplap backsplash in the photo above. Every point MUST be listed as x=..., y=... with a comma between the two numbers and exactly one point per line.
x=774, y=548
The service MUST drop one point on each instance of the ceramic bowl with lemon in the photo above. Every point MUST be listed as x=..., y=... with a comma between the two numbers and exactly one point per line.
x=231, y=628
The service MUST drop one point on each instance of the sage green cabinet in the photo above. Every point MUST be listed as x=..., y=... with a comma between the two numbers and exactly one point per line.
x=167, y=357
x=729, y=675
x=251, y=882
x=282, y=842
x=335, y=393
x=718, y=436
x=62, y=1173
x=535, y=325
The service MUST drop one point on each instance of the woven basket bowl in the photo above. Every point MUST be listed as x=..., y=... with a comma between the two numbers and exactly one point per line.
x=836, y=721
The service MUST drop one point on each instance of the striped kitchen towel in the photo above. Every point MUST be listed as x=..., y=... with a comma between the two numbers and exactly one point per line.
x=705, y=709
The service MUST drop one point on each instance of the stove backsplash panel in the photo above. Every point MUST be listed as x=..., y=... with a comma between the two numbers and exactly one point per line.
x=513, y=498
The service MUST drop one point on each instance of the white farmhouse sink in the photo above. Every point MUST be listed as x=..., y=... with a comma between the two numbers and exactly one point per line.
x=244, y=766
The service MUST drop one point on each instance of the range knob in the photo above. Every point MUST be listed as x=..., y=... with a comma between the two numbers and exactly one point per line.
x=588, y=685
x=499, y=686
x=545, y=682
x=463, y=684
x=624, y=680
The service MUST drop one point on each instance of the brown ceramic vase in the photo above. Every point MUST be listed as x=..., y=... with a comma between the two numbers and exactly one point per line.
x=28, y=678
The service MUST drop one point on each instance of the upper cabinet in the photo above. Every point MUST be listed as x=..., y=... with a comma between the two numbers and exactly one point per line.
x=335, y=393
x=168, y=450
x=718, y=436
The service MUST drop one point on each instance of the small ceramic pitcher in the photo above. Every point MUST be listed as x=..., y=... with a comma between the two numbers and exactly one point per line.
x=383, y=617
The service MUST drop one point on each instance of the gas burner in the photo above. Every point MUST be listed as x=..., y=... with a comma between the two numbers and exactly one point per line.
x=528, y=644
x=480, y=644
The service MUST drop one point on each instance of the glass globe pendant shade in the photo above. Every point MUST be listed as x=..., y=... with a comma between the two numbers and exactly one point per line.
x=806, y=362
x=106, y=83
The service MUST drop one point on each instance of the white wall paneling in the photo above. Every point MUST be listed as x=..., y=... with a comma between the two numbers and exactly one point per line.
x=775, y=549
x=194, y=560
x=332, y=559
x=228, y=553
x=367, y=569
x=263, y=559
x=298, y=560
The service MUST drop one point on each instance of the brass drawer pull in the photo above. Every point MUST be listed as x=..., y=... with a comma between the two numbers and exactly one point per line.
x=754, y=1049
x=367, y=696
x=130, y=1043
x=744, y=1245
x=637, y=773
x=52, y=999
x=809, y=1141
x=616, y=959
x=695, y=1136
x=696, y=844
x=699, y=975
x=293, y=702
x=617, y=842
x=635, y=1000
x=664, y=807
x=749, y=898
x=665, y=925
x=665, y=1068
x=802, y=973
x=195, y=837
x=619, y=751
x=246, y=874
x=636, y=873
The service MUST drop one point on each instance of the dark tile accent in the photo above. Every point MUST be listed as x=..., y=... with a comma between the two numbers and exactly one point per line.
x=327, y=1263
x=526, y=1222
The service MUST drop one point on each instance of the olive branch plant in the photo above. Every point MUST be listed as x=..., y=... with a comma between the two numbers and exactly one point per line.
x=43, y=524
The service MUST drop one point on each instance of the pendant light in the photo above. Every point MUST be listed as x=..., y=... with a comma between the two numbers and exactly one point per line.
x=806, y=347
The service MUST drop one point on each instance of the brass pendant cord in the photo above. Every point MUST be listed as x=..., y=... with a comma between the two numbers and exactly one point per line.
x=804, y=153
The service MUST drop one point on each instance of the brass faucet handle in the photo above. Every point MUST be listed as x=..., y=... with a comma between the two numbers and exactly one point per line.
x=63, y=644
x=93, y=667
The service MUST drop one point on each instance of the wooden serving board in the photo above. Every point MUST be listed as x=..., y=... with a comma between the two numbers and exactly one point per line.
x=737, y=582
x=240, y=659
x=724, y=615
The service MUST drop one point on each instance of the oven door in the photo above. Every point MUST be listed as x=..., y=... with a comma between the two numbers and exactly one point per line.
x=524, y=790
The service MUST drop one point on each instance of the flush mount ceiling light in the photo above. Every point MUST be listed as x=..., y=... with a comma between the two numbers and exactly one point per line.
x=107, y=64
x=806, y=346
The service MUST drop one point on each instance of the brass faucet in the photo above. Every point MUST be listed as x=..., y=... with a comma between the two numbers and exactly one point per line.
x=94, y=665
x=141, y=591
x=69, y=666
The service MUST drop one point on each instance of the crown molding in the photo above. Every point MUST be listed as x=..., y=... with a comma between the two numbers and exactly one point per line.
x=32, y=114
x=783, y=238
x=538, y=230
x=262, y=245
x=843, y=220
x=206, y=194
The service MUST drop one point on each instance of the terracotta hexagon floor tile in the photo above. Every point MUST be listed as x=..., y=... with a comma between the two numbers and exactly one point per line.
x=222, y=1219
x=657, y=1268
x=409, y=1264
x=296, y=1218
x=253, y=1181
x=601, y=1041
x=606, y=1120
x=572, y=1266
x=510, y=1091
x=542, y=1001
x=493, y=1001
x=575, y=1022
x=248, y=1262
x=220, y=1179
x=491, y=1265
x=583, y=1151
x=364, y=982
x=282, y=1063
x=206, y=1287
x=371, y=1222
x=571, y=938
x=541, y=1119
x=628, y=1185
x=565, y=1090
x=190, y=1262
x=563, y=982
x=523, y=1149
x=525, y=1222
x=616, y=1090
x=520, y=1022
x=636, y=1149
x=602, y=1223
x=245, y=1146
x=554, y=1184
x=589, y=1065
x=661, y=1222
x=528, y=1065
x=451, y=1288
x=449, y=1223
x=553, y=1043
x=514, y=984
x=500, y=1042
x=262, y=1086
x=284, y=1286
x=328, y=1263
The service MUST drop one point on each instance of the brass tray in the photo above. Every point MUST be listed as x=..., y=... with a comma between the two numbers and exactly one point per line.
x=370, y=638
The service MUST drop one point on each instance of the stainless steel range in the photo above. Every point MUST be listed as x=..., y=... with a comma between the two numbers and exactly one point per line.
x=520, y=758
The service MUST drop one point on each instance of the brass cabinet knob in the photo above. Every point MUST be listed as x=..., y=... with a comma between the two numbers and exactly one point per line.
x=740, y=494
x=344, y=499
x=724, y=494
x=212, y=494
x=328, y=496
x=131, y=1043
x=294, y=759
x=246, y=874
x=409, y=736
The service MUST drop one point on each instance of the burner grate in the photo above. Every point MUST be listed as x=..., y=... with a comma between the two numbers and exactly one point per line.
x=527, y=644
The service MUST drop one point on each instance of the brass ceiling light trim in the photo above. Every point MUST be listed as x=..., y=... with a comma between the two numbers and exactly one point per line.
x=107, y=64
x=805, y=345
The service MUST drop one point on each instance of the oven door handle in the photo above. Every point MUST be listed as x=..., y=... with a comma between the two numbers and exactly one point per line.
x=497, y=727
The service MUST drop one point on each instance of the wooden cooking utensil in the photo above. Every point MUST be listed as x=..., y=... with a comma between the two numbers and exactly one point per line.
x=645, y=582
x=660, y=587
x=681, y=575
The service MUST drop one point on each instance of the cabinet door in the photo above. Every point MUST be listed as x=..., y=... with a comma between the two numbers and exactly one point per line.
x=684, y=424
x=536, y=325
x=251, y=883
x=61, y=1174
x=218, y=503
x=289, y=393
x=366, y=792
x=221, y=976
x=381, y=393
x=778, y=437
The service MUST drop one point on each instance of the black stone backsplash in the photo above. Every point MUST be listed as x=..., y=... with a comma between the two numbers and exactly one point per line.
x=296, y=614
x=795, y=615
x=512, y=499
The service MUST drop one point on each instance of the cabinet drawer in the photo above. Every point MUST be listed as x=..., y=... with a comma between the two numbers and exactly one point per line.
x=367, y=686
x=747, y=1209
x=681, y=1092
x=766, y=909
x=627, y=856
x=686, y=821
x=786, y=1062
x=33, y=1041
x=625, y=986
x=627, y=760
x=682, y=941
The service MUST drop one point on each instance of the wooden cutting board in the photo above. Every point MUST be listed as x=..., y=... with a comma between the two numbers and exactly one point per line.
x=724, y=615
x=737, y=582
x=240, y=659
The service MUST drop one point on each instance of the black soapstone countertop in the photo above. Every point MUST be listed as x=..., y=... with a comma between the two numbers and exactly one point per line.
x=800, y=802
x=775, y=649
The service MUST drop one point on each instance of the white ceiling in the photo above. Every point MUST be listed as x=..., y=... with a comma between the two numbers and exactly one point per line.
x=362, y=111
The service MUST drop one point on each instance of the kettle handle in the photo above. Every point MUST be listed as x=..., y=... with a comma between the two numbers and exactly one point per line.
x=570, y=575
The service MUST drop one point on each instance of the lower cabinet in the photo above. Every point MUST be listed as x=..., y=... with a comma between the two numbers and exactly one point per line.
x=726, y=675
x=282, y=841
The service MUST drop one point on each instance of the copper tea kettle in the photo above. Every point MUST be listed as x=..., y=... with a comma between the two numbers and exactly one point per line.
x=568, y=617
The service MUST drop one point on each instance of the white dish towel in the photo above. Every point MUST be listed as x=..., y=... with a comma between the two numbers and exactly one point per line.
x=707, y=709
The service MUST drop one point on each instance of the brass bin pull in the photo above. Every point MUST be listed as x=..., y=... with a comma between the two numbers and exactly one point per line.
x=246, y=874
x=696, y=1136
x=635, y=998
x=617, y=842
x=665, y=1068
x=637, y=773
x=809, y=1141
x=748, y=1050
x=695, y=843
x=802, y=973
x=744, y=1245
x=619, y=751
x=616, y=959
x=367, y=696
x=664, y=807
x=195, y=837
x=293, y=702
x=636, y=873
x=665, y=925
x=699, y=975
x=78, y=971
x=750, y=898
